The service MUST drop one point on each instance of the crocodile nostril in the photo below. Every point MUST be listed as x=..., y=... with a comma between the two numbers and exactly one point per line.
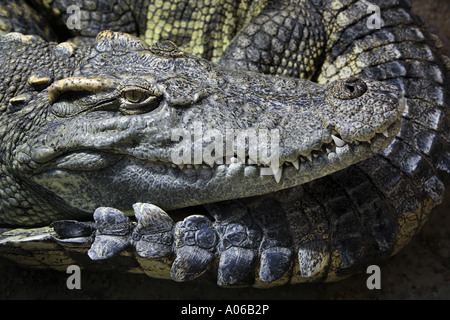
x=351, y=88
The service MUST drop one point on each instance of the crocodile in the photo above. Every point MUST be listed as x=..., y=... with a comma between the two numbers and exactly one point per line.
x=333, y=223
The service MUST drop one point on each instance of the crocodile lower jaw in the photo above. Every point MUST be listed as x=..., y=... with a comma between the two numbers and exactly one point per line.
x=327, y=152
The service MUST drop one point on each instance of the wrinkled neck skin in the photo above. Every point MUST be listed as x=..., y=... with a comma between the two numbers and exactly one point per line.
x=124, y=122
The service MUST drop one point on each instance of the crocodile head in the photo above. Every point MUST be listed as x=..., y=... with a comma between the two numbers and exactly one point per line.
x=124, y=122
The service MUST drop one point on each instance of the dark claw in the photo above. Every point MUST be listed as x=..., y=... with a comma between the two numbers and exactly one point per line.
x=72, y=229
x=240, y=238
x=276, y=257
x=105, y=247
x=313, y=258
x=111, y=221
x=73, y=233
x=235, y=266
x=194, y=244
x=274, y=263
x=152, y=236
x=113, y=233
x=191, y=262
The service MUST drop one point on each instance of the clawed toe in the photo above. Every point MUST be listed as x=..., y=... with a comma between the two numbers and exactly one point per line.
x=194, y=246
x=274, y=263
x=112, y=235
x=74, y=233
x=247, y=246
x=152, y=236
x=235, y=267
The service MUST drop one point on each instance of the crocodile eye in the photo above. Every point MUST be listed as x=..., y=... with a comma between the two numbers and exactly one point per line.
x=135, y=96
x=138, y=101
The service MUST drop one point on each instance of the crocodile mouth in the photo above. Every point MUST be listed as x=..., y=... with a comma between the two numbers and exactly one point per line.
x=90, y=179
x=92, y=160
x=326, y=152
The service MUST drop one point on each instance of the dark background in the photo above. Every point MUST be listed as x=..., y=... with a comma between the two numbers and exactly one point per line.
x=420, y=271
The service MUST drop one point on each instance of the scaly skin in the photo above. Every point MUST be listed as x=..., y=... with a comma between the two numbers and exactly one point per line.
x=91, y=145
x=358, y=215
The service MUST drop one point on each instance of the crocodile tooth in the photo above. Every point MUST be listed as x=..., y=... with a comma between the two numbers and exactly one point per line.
x=296, y=164
x=309, y=157
x=385, y=133
x=234, y=160
x=277, y=173
x=339, y=142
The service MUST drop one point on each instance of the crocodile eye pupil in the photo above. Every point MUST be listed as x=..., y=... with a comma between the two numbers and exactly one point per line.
x=134, y=96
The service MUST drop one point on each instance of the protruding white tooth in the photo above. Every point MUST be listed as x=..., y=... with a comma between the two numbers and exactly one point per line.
x=356, y=143
x=181, y=166
x=277, y=173
x=197, y=166
x=339, y=142
x=296, y=164
x=173, y=165
x=189, y=166
x=385, y=133
x=309, y=157
x=234, y=160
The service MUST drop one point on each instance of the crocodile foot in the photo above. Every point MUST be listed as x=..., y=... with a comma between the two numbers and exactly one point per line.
x=237, y=240
x=112, y=235
x=195, y=241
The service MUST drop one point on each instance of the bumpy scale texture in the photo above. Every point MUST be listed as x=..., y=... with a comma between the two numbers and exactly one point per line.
x=322, y=229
